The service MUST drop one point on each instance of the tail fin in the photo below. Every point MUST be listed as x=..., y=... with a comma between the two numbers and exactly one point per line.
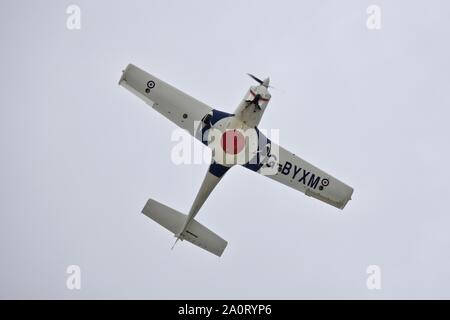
x=178, y=238
x=195, y=233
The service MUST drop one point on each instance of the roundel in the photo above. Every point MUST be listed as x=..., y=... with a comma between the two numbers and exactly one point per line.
x=232, y=142
x=151, y=84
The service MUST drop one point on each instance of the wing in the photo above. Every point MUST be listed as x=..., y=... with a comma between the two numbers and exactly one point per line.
x=283, y=166
x=178, y=107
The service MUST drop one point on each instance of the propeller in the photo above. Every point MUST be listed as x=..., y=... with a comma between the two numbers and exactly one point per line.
x=264, y=82
x=255, y=78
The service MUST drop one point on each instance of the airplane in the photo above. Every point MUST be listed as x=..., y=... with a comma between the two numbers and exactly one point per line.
x=234, y=140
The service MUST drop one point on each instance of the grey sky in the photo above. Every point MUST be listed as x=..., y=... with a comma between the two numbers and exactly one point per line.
x=81, y=155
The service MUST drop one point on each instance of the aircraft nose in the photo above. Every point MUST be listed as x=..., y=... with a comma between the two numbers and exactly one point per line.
x=266, y=82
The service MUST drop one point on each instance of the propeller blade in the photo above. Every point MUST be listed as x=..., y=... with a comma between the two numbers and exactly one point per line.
x=255, y=78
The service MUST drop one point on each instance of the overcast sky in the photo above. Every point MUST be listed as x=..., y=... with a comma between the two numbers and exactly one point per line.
x=80, y=155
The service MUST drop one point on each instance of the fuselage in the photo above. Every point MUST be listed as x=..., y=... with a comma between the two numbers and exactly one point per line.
x=234, y=138
x=253, y=105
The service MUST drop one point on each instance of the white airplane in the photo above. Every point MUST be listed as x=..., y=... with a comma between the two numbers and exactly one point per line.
x=234, y=139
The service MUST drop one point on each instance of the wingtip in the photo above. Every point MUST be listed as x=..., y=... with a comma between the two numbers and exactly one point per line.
x=124, y=72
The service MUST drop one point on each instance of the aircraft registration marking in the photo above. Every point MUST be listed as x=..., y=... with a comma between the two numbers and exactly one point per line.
x=301, y=175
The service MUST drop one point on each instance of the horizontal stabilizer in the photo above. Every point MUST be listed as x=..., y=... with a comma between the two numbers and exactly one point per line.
x=195, y=233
